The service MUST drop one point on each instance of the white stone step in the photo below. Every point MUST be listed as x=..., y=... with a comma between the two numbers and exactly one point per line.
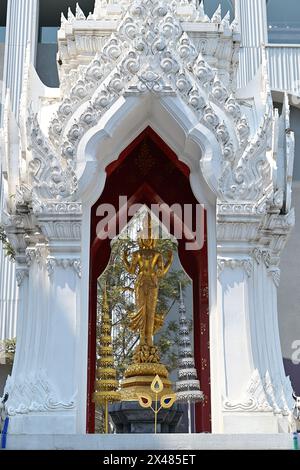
x=151, y=442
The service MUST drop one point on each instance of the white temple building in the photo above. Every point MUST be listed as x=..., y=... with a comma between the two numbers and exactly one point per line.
x=216, y=94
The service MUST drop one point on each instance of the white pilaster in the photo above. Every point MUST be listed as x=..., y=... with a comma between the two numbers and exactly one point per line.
x=252, y=18
x=256, y=394
x=234, y=275
x=43, y=384
x=21, y=29
x=8, y=297
x=21, y=34
x=64, y=273
x=22, y=276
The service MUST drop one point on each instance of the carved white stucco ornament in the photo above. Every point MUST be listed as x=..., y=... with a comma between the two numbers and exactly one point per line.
x=150, y=52
x=168, y=65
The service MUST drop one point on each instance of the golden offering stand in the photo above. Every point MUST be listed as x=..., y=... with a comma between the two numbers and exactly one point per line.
x=139, y=377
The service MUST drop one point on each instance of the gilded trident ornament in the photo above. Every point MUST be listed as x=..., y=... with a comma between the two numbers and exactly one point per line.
x=166, y=401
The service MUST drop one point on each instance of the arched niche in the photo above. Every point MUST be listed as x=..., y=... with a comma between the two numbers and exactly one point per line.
x=148, y=172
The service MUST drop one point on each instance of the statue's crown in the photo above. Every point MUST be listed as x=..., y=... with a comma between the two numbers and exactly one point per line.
x=146, y=238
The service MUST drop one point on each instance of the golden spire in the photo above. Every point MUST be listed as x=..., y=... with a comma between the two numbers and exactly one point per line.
x=106, y=382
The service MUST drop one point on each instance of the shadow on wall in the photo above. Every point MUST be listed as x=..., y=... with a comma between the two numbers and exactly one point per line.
x=293, y=370
x=46, y=65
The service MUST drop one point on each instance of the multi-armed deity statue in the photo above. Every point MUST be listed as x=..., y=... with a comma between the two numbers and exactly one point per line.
x=149, y=265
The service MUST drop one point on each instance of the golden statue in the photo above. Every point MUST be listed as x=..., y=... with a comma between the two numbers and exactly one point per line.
x=148, y=265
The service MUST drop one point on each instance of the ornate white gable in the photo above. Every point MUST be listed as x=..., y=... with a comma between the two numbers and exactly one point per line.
x=150, y=52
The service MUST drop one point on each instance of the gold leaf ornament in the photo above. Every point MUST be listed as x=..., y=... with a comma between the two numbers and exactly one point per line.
x=145, y=400
x=157, y=386
x=168, y=401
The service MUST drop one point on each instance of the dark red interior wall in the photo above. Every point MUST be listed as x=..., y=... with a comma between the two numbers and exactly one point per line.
x=149, y=172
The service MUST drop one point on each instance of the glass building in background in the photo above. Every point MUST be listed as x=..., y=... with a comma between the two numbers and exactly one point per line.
x=283, y=27
x=283, y=21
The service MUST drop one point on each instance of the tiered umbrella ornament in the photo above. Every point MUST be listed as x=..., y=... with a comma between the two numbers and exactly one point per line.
x=188, y=385
x=106, y=383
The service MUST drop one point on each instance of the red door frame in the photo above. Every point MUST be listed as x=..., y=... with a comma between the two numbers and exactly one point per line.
x=149, y=172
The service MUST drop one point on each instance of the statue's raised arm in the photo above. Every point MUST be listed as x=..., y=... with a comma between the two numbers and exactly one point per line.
x=130, y=265
x=163, y=267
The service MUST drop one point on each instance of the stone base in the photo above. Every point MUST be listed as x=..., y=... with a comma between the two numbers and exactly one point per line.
x=252, y=423
x=43, y=423
x=130, y=418
x=181, y=442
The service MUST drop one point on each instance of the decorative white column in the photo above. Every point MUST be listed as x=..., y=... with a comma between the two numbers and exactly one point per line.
x=64, y=290
x=44, y=382
x=256, y=394
x=21, y=35
x=252, y=18
x=21, y=29
x=8, y=297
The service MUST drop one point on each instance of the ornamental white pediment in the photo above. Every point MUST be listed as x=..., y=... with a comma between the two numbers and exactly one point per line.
x=150, y=53
x=149, y=47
